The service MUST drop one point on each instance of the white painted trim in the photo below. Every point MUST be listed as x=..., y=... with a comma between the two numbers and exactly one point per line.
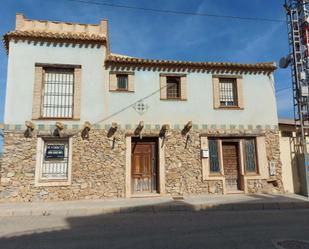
x=161, y=171
x=128, y=167
x=206, y=163
x=39, y=160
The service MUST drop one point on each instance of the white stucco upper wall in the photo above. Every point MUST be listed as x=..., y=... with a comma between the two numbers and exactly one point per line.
x=97, y=103
x=259, y=99
x=20, y=79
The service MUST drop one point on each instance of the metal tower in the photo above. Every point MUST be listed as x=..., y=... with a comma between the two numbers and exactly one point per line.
x=298, y=34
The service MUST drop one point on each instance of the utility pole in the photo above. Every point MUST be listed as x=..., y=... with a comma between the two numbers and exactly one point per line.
x=298, y=58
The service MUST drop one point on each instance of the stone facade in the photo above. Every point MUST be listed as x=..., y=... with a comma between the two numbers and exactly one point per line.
x=98, y=171
x=99, y=167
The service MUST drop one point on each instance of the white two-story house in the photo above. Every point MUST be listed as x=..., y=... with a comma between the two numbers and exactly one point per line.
x=84, y=123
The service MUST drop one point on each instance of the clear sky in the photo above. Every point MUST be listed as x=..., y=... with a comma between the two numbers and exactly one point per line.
x=170, y=36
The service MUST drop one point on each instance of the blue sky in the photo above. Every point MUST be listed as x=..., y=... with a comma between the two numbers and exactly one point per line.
x=168, y=36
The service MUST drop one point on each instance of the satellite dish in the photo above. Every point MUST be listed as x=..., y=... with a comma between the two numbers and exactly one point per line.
x=284, y=62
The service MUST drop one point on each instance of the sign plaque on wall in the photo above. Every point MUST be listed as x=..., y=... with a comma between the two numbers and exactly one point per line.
x=54, y=151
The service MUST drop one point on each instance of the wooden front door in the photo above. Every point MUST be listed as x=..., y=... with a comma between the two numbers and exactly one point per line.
x=231, y=166
x=144, y=165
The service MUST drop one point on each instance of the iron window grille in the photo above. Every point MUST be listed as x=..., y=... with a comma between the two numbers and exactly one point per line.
x=250, y=155
x=286, y=133
x=58, y=93
x=214, y=156
x=122, y=82
x=55, y=160
x=173, y=87
x=228, y=92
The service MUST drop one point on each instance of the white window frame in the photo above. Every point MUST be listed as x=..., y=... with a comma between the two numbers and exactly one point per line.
x=39, y=181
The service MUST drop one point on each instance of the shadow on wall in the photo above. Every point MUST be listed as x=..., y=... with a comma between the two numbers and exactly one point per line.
x=158, y=227
x=295, y=161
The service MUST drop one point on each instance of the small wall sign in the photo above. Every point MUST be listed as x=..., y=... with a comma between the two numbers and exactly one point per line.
x=54, y=151
x=205, y=153
x=272, y=168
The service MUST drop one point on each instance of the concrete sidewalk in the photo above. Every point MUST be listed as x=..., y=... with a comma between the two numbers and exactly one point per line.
x=156, y=204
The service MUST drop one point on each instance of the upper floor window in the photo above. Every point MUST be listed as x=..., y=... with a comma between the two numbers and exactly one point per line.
x=58, y=93
x=173, y=87
x=228, y=92
x=122, y=82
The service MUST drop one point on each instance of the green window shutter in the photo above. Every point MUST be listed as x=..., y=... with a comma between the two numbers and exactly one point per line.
x=250, y=155
x=213, y=156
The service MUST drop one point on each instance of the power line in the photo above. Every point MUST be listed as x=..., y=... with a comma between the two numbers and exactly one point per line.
x=283, y=89
x=177, y=12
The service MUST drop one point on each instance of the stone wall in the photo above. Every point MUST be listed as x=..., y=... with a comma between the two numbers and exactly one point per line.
x=274, y=183
x=183, y=166
x=98, y=170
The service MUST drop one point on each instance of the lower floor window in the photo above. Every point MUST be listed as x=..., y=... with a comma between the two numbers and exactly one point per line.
x=55, y=159
x=224, y=155
x=214, y=156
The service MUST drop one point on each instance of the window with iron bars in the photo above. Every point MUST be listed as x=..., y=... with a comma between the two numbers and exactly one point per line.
x=173, y=87
x=122, y=82
x=228, y=92
x=58, y=93
x=55, y=159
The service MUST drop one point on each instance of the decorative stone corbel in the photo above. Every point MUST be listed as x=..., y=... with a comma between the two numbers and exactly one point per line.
x=164, y=130
x=29, y=129
x=58, y=130
x=139, y=128
x=185, y=132
x=112, y=130
x=85, y=131
x=187, y=128
x=111, y=135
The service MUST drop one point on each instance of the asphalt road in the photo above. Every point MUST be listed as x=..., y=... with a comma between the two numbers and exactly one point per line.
x=178, y=230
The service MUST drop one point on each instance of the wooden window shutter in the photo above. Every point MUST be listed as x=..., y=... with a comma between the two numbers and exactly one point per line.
x=37, y=92
x=183, y=88
x=163, y=91
x=112, y=82
x=77, y=93
x=131, y=82
x=216, y=92
x=240, y=96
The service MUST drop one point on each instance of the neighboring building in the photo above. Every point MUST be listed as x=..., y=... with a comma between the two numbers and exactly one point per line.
x=158, y=127
x=291, y=159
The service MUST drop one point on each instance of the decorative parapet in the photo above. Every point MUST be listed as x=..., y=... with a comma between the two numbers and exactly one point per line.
x=52, y=30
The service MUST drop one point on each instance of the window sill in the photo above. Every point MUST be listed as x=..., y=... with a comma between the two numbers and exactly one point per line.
x=121, y=91
x=55, y=118
x=176, y=99
x=215, y=175
x=52, y=183
x=229, y=108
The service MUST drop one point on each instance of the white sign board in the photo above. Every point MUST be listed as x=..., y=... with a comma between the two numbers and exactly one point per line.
x=205, y=153
x=272, y=168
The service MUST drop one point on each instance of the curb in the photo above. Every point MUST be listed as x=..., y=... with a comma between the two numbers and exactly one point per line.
x=153, y=209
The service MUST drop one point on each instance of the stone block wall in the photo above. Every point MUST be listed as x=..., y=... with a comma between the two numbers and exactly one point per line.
x=183, y=166
x=98, y=170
